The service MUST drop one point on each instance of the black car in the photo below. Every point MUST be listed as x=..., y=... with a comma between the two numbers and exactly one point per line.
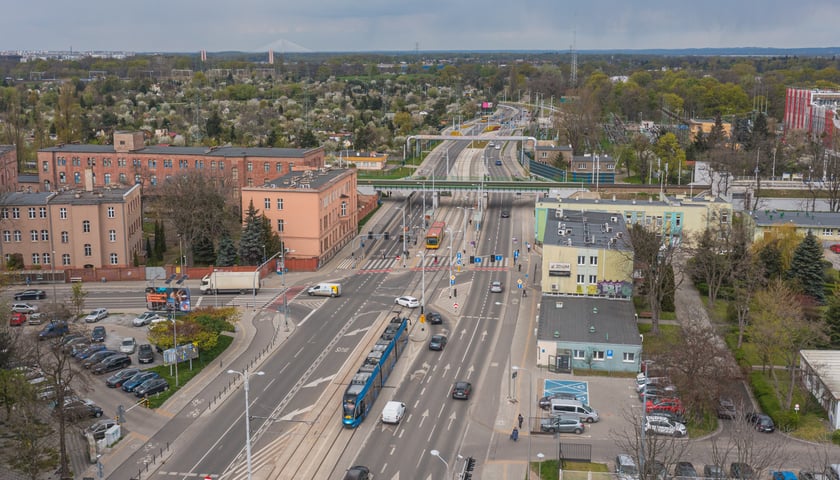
x=31, y=295
x=77, y=408
x=685, y=470
x=114, y=362
x=741, y=471
x=132, y=383
x=461, y=390
x=434, y=318
x=98, y=334
x=150, y=387
x=359, y=472
x=762, y=422
x=145, y=353
x=726, y=409
x=714, y=472
x=117, y=379
x=505, y=214
x=438, y=342
x=98, y=357
x=83, y=354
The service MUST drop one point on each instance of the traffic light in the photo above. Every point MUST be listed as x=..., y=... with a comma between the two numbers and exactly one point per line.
x=472, y=259
x=470, y=464
x=387, y=236
x=370, y=235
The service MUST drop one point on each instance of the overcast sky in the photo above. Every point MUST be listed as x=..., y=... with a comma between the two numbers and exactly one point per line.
x=367, y=25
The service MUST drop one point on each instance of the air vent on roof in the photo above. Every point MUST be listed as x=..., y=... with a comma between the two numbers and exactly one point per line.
x=614, y=219
x=561, y=233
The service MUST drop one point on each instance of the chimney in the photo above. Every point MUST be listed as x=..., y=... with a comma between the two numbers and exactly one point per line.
x=88, y=179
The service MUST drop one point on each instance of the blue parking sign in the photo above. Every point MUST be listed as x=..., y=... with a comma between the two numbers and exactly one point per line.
x=477, y=259
x=458, y=255
x=498, y=258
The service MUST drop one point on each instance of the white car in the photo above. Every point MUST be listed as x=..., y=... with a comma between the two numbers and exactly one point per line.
x=496, y=287
x=664, y=426
x=96, y=315
x=128, y=345
x=407, y=301
x=393, y=412
x=24, y=308
x=145, y=318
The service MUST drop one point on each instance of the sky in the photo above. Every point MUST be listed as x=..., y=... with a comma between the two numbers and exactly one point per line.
x=403, y=25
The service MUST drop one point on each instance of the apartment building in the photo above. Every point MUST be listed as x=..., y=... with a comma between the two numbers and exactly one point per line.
x=824, y=225
x=87, y=228
x=129, y=162
x=314, y=212
x=815, y=111
x=362, y=160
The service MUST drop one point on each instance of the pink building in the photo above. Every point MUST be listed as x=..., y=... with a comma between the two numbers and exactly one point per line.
x=8, y=168
x=814, y=111
x=315, y=213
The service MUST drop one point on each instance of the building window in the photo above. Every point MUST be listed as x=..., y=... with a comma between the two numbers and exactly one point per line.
x=32, y=212
x=628, y=357
x=114, y=259
x=593, y=279
x=46, y=166
x=153, y=180
x=18, y=236
x=107, y=179
x=62, y=213
x=77, y=178
x=593, y=260
x=65, y=259
x=250, y=182
x=111, y=212
x=106, y=162
x=266, y=167
x=123, y=179
x=827, y=232
x=221, y=165
x=152, y=163
x=121, y=162
x=4, y=213
x=7, y=236
x=578, y=354
x=267, y=203
x=167, y=163
x=112, y=235
x=278, y=167
x=62, y=177
x=581, y=260
x=279, y=204
x=88, y=250
x=138, y=179
x=65, y=237
x=580, y=279
x=42, y=212
x=47, y=259
x=86, y=226
x=343, y=209
x=36, y=259
x=249, y=166
x=15, y=212
x=33, y=235
x=598, y=355
x=280, y=225
x=45, y=235
x=234, y=173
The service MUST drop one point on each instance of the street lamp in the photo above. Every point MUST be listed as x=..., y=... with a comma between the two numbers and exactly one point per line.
x=174, y=341
x=422, y=255
x=540, y=457
x=450, y=233
x=530, y=403
x=245, y=376
x=53, y=283
x=436, y=453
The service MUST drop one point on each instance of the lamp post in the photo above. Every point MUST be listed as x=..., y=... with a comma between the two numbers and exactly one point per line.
x=436, y=453
x=404, y=251
x=422, y=255
x=245, y=376
x=450, y=233
x=174, y=341
x=53, y=285
x=540, y=457
x=530, y=403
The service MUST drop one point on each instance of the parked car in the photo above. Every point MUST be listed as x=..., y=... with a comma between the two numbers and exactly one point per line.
x=461, y=390
x=128, y=345
x=726, y=409
x=835, y=248
x=714, y=472
x=96, y=315
x=783, y=475
x=625, y=467
x=31, y=295
x=90, y=350
x=437, y=342
x=114, y=362
x=685, y=470
x=52, y=330
x=37, y=318
x=145, y=318
x=562, y=424
x=151, y=386
x=74, y=343
x=677, y=417
x=656, y=470
x=135, y=381
x=24, y=308
x=98, y=429
x=98, y=334
x=17, y=319
x=496, y=287
x=117, y=379
x=98, y=357
x=669, y=404
x=70, y=336
x=434, y=318
x=741, y=471
x=407, y=301
x=762, y=422
x=145, y=353
x=809, y=475
x=77, y=408
x=655, y=424
x=358, y=472
x=656, y=391
x=545, y=402
x=49, y=391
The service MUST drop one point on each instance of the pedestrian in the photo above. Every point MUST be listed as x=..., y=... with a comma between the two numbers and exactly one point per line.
x=520, y=267
x=514, y=435
x=28, y=281
x=524, y=293
x=520, y=420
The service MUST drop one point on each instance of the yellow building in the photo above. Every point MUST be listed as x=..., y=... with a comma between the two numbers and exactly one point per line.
x=361, y=160
x=824, y=225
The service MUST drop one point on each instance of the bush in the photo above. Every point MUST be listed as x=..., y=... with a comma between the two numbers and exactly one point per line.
x=787, y=421
x=703, y=288
x=765, y=395
x=835, y=437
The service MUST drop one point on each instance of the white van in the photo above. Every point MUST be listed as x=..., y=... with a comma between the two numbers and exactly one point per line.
x=560, y=406
x=393, y=412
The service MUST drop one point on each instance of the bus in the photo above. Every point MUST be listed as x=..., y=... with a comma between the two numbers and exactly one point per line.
x=370, y=379
x=434, y=236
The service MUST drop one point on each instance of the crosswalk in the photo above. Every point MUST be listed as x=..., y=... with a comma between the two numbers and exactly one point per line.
x=389, y=264
x=260, y=459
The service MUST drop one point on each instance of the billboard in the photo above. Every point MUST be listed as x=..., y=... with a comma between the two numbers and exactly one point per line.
x=181, y=353
x=168, y=298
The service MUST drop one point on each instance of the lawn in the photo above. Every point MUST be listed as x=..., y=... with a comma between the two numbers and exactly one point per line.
x=549, y=470
x=184, y=373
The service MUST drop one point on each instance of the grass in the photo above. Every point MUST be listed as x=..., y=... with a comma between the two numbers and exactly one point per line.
x=393, y=174
x=184, y=373
x=549, y=469
x=658, y=344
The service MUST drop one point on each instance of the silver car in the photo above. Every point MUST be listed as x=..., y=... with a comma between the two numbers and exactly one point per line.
x=496, y=287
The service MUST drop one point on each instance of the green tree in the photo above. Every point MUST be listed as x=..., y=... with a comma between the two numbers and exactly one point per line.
x=832, y=319
x=250, y=244
x=227, y=252
x=77, y=297
x=308, y=139
x=204, y=252
x=668, y=149
x=270, y=238
x=214, y=125
x=653, y=257
x=806, y=268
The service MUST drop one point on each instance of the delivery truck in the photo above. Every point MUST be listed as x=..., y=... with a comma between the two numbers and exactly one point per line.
x=230, y=282
x=325, y=290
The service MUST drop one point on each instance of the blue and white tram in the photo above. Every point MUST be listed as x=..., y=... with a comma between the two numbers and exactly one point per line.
x=372, y=375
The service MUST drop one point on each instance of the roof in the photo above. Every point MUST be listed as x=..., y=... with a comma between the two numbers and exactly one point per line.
x=827, y=365
x=572, y=318
x=590, y=158
x=579, y=228
x=174, y=151
x=97, y=196
x=6, y=149
x=25, y=198
x=308, y=179
x=766, y=218
x=614, y=204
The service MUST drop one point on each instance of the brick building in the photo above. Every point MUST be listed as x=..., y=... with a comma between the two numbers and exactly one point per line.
x=8, y=168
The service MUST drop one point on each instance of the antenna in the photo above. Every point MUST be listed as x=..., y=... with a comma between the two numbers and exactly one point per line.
x=573, y=52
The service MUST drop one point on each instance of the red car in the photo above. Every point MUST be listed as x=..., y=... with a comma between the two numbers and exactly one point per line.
x=835, y=248
x=17, y=319
x=667, y=404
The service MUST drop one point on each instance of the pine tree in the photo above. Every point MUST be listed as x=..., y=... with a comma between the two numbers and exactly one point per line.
x=150, y=253
x=832, y=319
x=770, y=258
x=806, y=268
x=269, y=237
x=227, y=252
x=204, y=253
x=250, y=244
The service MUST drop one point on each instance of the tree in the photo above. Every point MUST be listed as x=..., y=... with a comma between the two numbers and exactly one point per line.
x=806, y=268
x=647, y=449
x=832, y=319
x=709, y=258
x=77, y=298
x=653, y=255
x=67, y=119
x=214, y=125
x=270, y=238
x=668, y=149
x=746, y=277
x=578, y=121
x=203, y=251
x=250, y=244
x=227, y=252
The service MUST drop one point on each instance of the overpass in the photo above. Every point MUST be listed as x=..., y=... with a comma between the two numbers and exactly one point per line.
x=493, y=184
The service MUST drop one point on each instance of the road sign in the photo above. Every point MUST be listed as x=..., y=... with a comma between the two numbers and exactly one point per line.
x=519, y=286
x=516, y=254
x=498, y=258
x=458, y=262
x=455, y=305
x=452, y=282
x=477, y=259
x=452, y=277
x=458, y=256
x=609, y=354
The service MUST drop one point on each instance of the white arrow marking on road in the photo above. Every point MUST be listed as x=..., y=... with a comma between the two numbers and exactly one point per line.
x=463, y=332
x=446, y=369
x=470, y=371
x=483, y=335
x=291, y=415
x=451, y=421
x=423, y=418
x=318, y=381
x=356, y=331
